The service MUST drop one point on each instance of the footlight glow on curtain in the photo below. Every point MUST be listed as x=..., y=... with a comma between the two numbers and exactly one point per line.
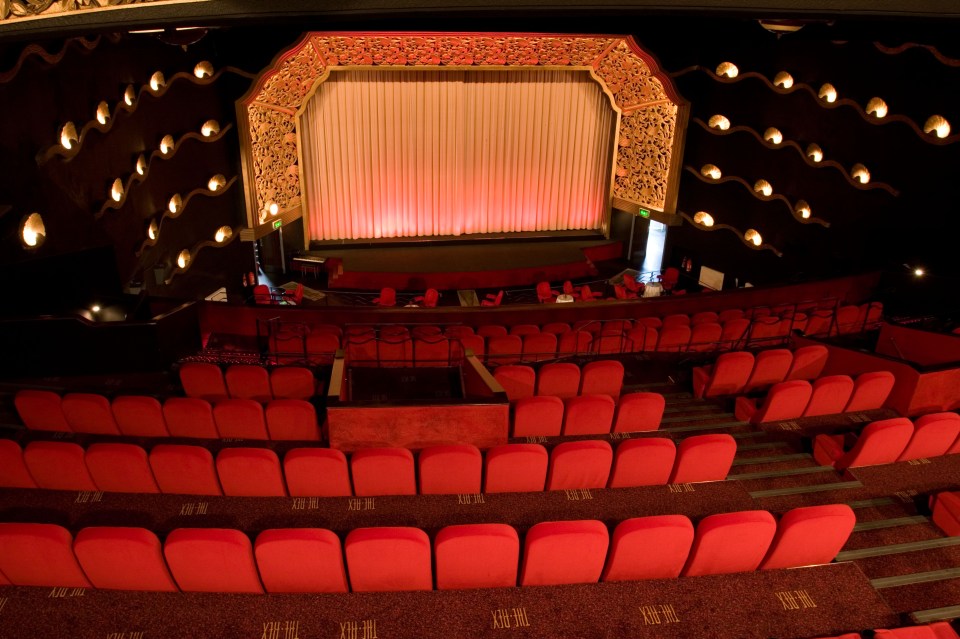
x=405, y=153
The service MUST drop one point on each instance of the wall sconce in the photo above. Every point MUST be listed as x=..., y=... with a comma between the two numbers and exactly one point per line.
x=711, y=171
x=68, y=135
x=773, y=135
x=860, y=173
x=728, y=70
x=703, y=218
x=175, y=203
x=183, y=258
x=753, y=237
x=764, y=187
x=217, y=182
x=814, y=152
x=166, y=144
x=210, y=127
x=719, y=122
x=937, y=125
x=129, y=95
x=273, y=208
x=203, y=69
x=103, y=112
x=802, y=209
x=223, y=234
x=32, y=231
x=116, y=191
x=157, y=81
x=877, y=107
x=828, y=93
x=141, y=167
x=783, y=80
x=153, y=230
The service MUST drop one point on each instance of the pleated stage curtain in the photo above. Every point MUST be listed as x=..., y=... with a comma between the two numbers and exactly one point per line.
x=408, y=153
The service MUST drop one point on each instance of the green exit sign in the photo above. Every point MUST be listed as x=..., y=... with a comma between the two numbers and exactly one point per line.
x=644, y=213
x=278, y=223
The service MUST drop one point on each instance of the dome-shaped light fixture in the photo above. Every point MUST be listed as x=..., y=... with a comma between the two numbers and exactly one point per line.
x=157, y=81
x=210, y=127
x=153, y=230
x=814, y=152
x=753, y=237
x=68, y=135
x=860, y=173
x=141, y=167
x=828, y=93
x=802, y=209
x=719, y=122
x=773, y=135
x=175, y=203
x=728, y=70
x=783, y=80
x=166, y=144
x=32, y=231
x=763, y=187
x=103, y=113
x=116, y=190
x=937, y=125
x=877, y=107
x=711, y=171
x=183, y=258
x=223, y=234
x=273, y=208
x=217, y=182
x=703, y=218
x=203, y=70
x=129, y=95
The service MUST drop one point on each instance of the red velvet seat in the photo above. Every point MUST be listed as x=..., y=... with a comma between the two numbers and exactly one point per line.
x=539, y=346
x=603, y=377
x=139, y=416
x=212, y=560
x=41, y=410
x=322, y=345
x=203, y=381
x=473, y=343
x=248, y=382
x=809, y=536
x=450, y=470
x=538, y=416
x=292, y=419
x=517, y=380
x=939, y=630
x=932, y=436
x=946, y=512
x=880, y=442
x=434, y=350
x=361, y=347
x=870, y=391
x=704, y=458
x=477, y=556
x=89, y=413
x=829, y=396
x=492, y=300
x=766, y=331
x=120, y=468
x=729, y=314
x=189, y=417
x=786, y=400
x=556, y=328
x=730, y=542
x=39, y=555
x=580, y=464
x=677, y=319
x=250, y=472
x=564, y=552
x=395, y=350
x=504, y=349
x=611, y=344
x=704, y=317
x=673, y=339
x=515, y=468
x=184, y=470
x=808, y=362
x=13, y=470
x=240, y=419
x=770, y=367
x=574, y=342
x=492, y=330
x=734, y=333
x=58, y=466
x=870, y=314
x=292, y=382
x=639, y=412
x=388, y=559
x=819, y=322
x=642, y=338
x=727, y=376
x=588, y=415
x=560, y=379
x=317, y=472
x=649, y=548
x=458, y=330
x=643, y=462
x=388, y=297
x=115, y=558
x=383, y=471
x=705, y=337
x=300, y=560
x=429, y=298
x=524, y=329
x=847, y=320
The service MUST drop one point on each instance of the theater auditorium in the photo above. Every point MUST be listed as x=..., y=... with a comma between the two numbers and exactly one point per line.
x=425, y=318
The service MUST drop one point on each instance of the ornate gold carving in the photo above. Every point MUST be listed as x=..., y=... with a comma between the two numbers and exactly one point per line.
x=53, y=8
x=645, y=153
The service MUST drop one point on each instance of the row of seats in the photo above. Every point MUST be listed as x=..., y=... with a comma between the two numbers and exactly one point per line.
x=742, y=372
x=938, y=630
x=547, y=416
x=561, y=379
x=326, y=472
x=299, y=560
x=891, y=440
x=828, y=395
x=141, y=416
x=245, y=381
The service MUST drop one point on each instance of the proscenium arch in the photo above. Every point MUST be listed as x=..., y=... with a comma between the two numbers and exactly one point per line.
x=649, y=134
